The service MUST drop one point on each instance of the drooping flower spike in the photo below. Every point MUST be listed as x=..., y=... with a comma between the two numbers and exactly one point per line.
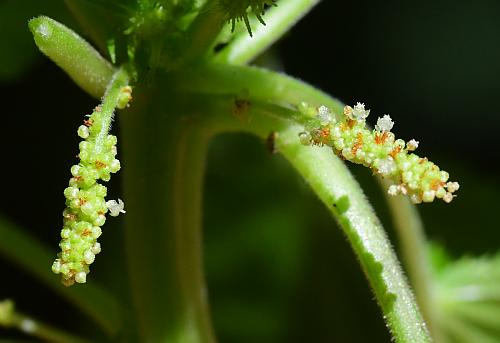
x=86, y=206
x=377, y=149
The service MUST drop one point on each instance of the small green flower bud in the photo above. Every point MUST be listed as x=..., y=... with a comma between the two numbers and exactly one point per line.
x=114, y=166
x=83, y=131
x=56, y=266
x=71, y=192
x=81, y=277
x=96, y=248
x=89, y=257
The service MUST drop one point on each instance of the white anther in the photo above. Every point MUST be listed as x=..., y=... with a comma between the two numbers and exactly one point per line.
x=384, y=124
x=115, y=208
x=412, y=145
x=359, y=112
x=452, y=186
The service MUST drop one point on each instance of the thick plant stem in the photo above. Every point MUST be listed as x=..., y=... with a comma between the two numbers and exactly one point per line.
x=164, y=164
x=255, y=83
x=410, y=231
x=243, y=48
x=201, y=33
x=332, y=181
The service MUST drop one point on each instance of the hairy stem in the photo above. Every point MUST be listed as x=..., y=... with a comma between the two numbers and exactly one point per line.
x=243, y=48
x=410, y=231
x=255, y=83
x=165, y=159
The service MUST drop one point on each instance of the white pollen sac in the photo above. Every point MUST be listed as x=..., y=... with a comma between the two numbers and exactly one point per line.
x=448, y=197
x=81, y=277
x=384, y=124
x=452, y=187
x=324, y=115
x=115, y=208
x=359, y=112
x=412, y=145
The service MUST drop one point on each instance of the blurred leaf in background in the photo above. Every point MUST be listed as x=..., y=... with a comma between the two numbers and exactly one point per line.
x=18, y=53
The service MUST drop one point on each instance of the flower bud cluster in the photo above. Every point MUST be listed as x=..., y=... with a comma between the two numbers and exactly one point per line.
x=377, y=149
x=86, y=206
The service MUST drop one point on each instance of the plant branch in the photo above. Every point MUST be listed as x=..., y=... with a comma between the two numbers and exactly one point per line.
x=243, y=48
x=11, y=318
x=164, y=155
x=255, y=83
x=201, y=33
x=332, y=181
x=410, y=231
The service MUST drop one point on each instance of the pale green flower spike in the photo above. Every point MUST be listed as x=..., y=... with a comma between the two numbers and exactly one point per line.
x=85, y=198
x=378, y=150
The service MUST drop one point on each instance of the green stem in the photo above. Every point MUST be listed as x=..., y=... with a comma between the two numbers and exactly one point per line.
x=253, y=82
x=334, y=184
x=164, y=163
x=12, y=319
x=201, y=34
x=243, y=48
x=410, y=231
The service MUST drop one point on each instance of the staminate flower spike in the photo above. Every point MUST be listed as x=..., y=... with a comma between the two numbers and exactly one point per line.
x=85, y=197
x=378, y=150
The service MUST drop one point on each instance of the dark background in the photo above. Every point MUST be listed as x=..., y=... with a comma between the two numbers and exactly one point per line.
x=278, y=268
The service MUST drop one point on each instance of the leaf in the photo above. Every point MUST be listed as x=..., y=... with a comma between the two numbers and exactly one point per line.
x=468, y=296
x=35, y=258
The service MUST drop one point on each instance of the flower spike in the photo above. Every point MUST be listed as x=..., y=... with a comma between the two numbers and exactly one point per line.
x=377, y=149
x=85, y=197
